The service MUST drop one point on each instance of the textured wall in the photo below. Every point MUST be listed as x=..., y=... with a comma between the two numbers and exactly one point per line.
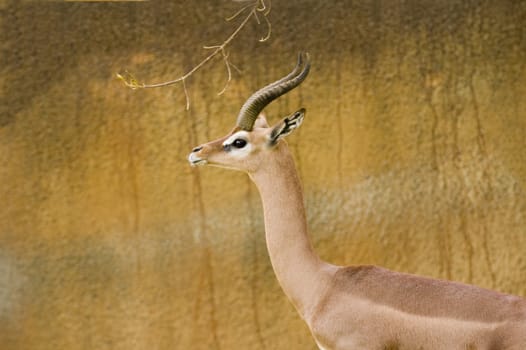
x=412, y=157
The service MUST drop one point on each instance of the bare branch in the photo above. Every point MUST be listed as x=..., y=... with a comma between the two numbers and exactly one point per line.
x=235, y=67
x=228, y=19
x=186, y=95
x=268, y=8
x=255, y=14
x=229, y=72
x=263, y=6
x=129, y=80
x=269, y=31
x=252, y=9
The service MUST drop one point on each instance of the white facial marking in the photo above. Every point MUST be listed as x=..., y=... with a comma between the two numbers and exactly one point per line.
x=238, y=152
x=238, y=135
x=195, y=160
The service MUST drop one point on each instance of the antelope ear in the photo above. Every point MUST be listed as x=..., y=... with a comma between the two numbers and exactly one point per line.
x=286, y=126
x=261, y=121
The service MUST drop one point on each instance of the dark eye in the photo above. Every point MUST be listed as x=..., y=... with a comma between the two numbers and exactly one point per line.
x=239, y=143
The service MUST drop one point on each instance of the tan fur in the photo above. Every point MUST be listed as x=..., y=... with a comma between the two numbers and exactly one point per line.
x=364, y=307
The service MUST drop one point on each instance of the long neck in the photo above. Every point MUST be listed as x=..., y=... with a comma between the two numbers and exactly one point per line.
x=298, y=269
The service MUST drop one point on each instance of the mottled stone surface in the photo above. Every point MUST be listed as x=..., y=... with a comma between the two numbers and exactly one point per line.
x=412, y=156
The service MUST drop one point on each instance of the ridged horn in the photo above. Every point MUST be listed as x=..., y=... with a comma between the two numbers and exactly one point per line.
x=261, y=98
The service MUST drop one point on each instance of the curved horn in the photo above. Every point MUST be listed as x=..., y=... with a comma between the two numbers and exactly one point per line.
x=261, y=98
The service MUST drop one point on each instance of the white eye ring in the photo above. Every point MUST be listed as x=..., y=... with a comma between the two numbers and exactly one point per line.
x=237, y=141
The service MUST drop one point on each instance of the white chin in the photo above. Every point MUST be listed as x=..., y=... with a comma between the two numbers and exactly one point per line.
x=195, y=161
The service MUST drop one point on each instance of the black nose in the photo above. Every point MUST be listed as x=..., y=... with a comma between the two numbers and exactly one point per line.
x=197, y=149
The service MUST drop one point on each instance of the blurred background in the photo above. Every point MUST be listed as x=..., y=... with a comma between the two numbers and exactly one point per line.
x=412, y=157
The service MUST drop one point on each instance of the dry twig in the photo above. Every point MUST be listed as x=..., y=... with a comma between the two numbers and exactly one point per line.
x=252, y=10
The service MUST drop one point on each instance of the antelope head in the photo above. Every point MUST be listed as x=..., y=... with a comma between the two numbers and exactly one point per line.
x=252, y=140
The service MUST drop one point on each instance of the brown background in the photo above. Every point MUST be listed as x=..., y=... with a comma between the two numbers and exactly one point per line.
x=412, y=157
